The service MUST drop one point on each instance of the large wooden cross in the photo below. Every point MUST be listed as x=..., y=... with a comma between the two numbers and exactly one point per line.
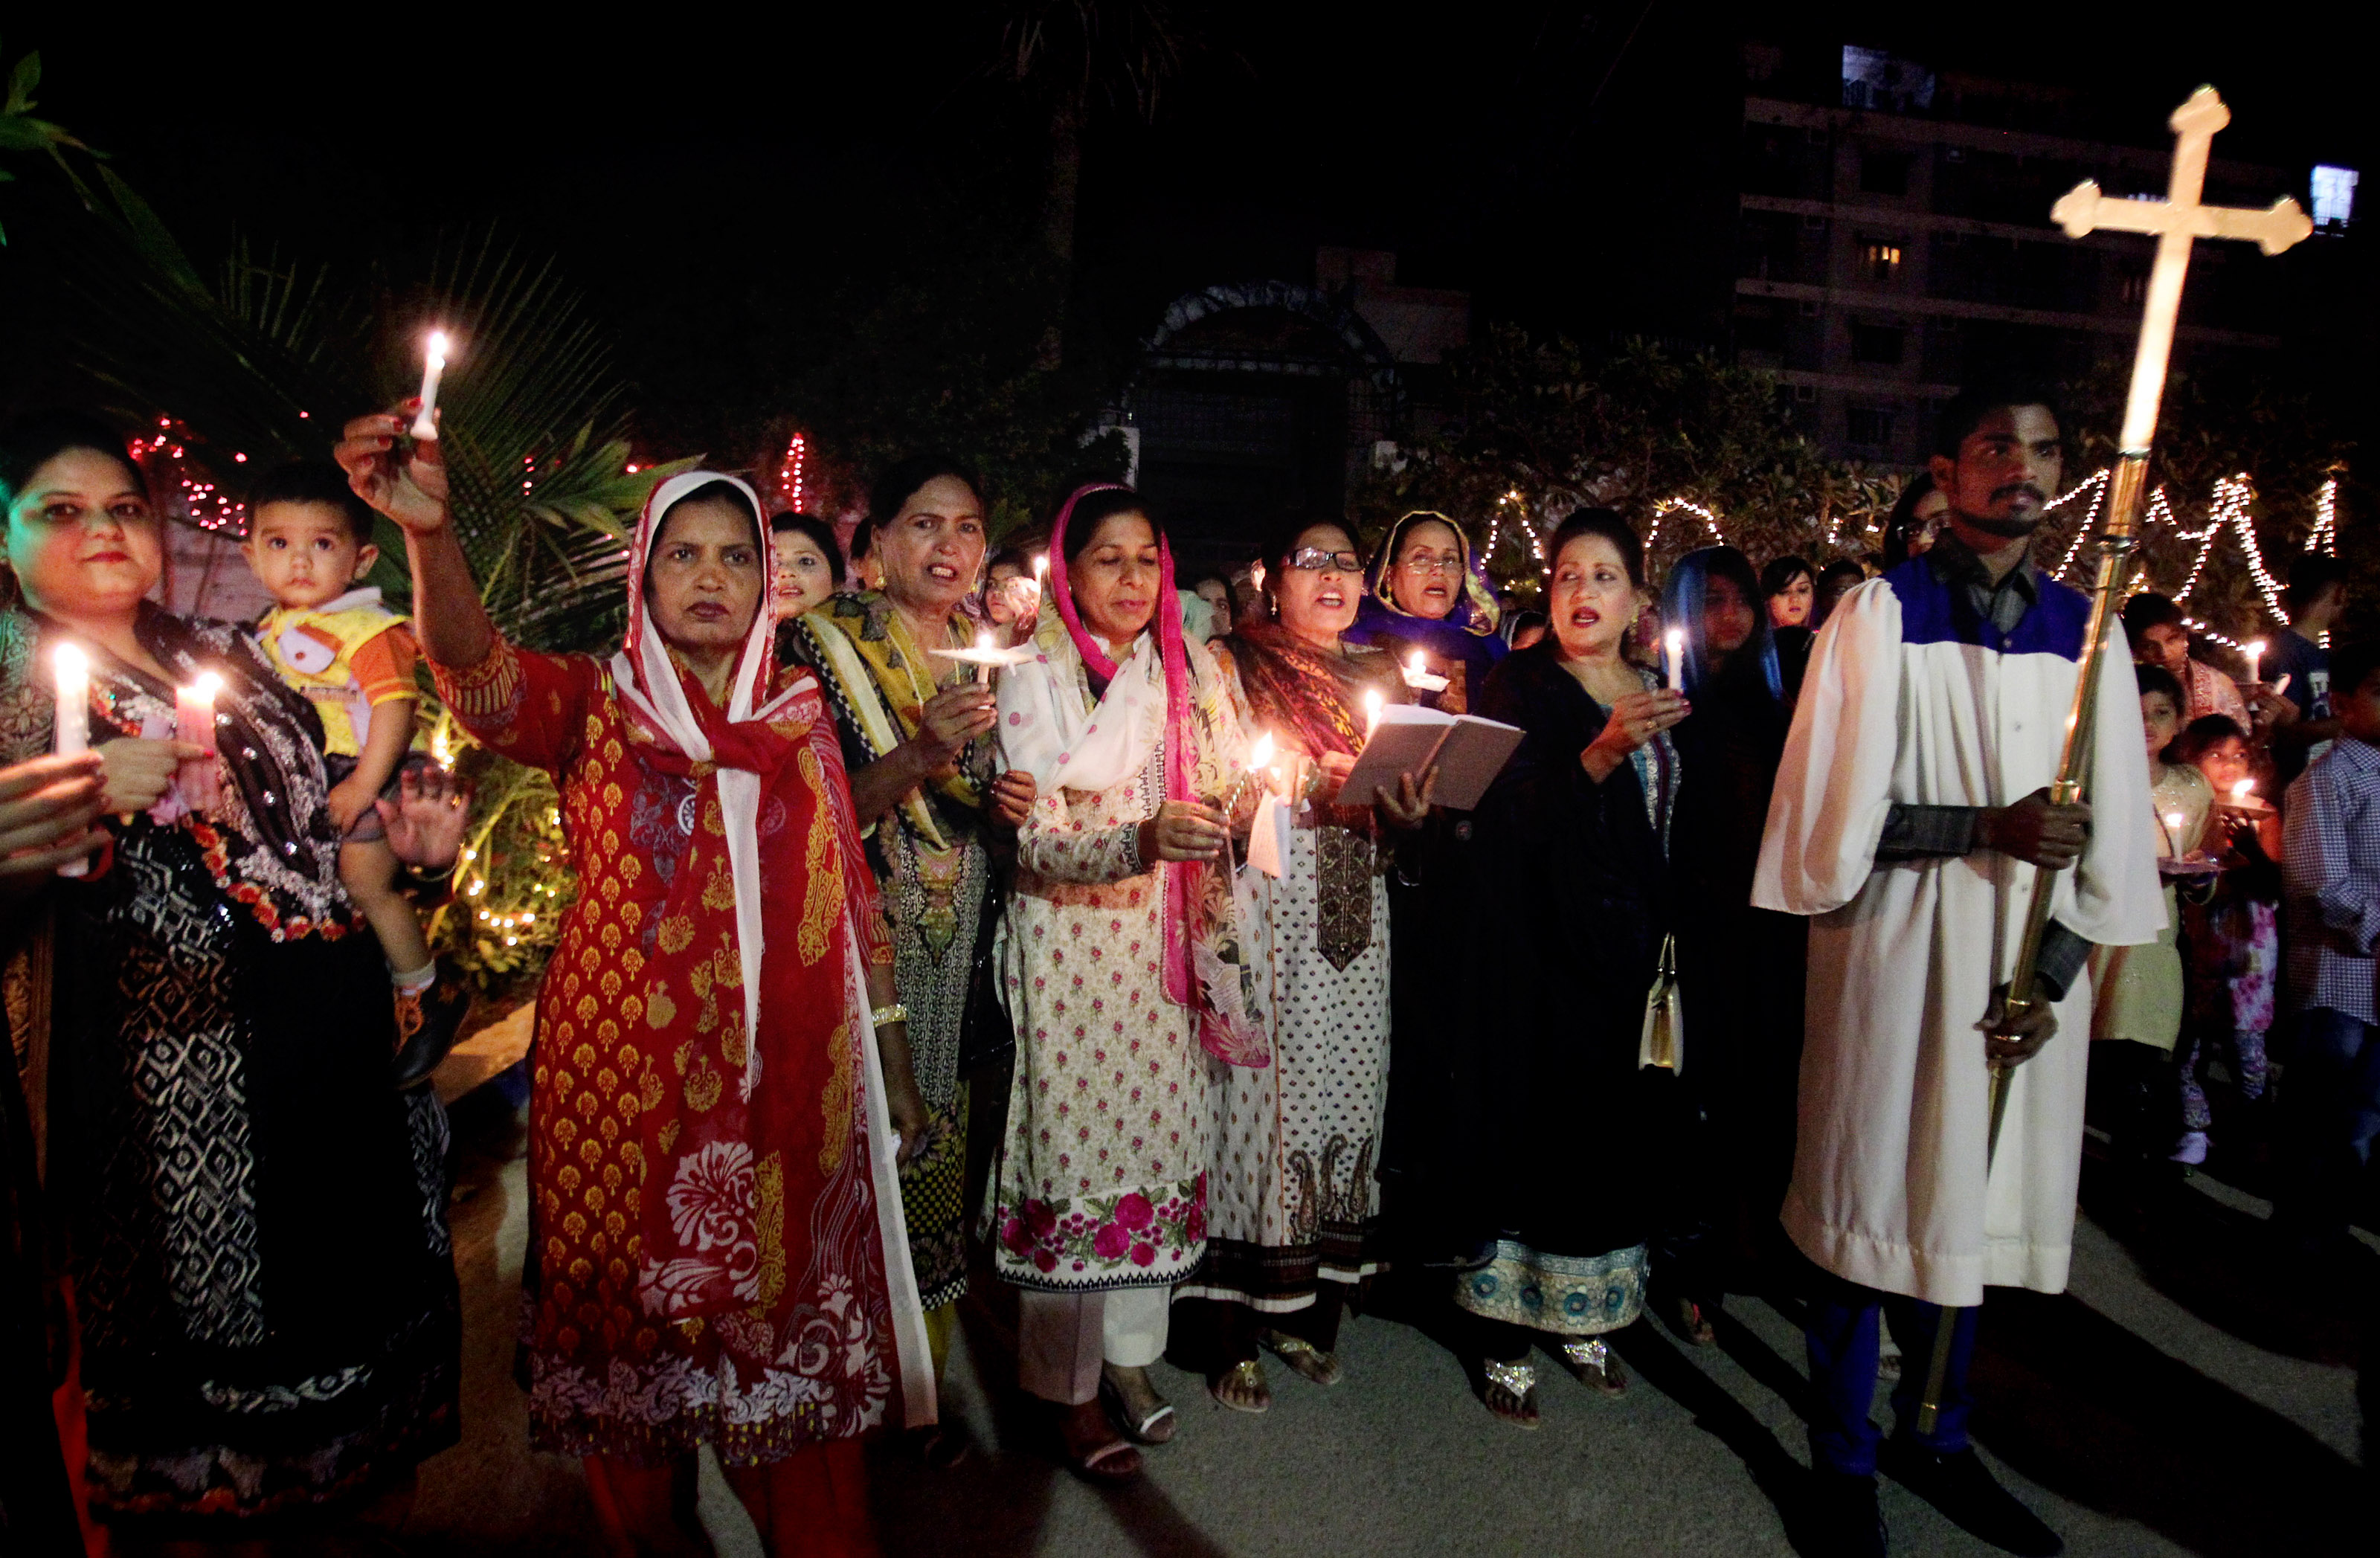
x=2176, y=220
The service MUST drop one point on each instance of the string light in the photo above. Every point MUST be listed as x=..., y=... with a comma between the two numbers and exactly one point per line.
x=2097, y=485
x=2324, y=538
x=789, y=478
x=1709, y=520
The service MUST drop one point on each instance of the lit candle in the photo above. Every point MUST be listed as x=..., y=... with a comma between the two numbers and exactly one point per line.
x=2173, y=823
x=73, y=721
x=1418, y=676
x=434, y=365
x=1371, y=711
x=1040, y=566
x=1673, y=654
x=1260, y=755
x=194, y=721
x=2255, y=649
x=74, y=700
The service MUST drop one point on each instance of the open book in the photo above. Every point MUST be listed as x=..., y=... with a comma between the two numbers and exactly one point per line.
x=1469, y=752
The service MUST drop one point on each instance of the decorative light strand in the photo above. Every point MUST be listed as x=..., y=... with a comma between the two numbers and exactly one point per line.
x=2232, y=499
x=2097, y=486
x=2326, y=519
x=165, y=455
x=1666, y=505
x=789, y=477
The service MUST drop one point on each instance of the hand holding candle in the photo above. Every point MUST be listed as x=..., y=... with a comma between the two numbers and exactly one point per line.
x=194, y=721
x=433, y=366
x=1418, y=676
x=73, y=721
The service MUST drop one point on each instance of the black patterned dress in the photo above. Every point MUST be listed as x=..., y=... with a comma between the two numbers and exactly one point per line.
x=255, y=1218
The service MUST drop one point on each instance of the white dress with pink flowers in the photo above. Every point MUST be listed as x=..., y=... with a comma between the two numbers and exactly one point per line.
x=1101, y=1182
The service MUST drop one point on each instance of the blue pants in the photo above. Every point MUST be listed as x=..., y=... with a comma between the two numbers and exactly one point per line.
x=2331, y=1112
x=1841, y=1333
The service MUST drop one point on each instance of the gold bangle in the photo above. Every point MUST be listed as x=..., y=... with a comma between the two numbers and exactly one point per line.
x=884, y=1017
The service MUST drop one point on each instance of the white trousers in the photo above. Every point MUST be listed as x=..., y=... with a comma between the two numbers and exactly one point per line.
x=1062, y=1338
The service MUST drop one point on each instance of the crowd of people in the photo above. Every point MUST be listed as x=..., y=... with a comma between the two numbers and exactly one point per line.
x=947, y=912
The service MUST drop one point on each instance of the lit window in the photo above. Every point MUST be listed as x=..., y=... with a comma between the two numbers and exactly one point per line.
x=1882, y=260
x=2333, y=196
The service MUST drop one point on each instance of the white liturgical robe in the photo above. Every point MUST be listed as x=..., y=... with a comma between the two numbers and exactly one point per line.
x=1912, y=699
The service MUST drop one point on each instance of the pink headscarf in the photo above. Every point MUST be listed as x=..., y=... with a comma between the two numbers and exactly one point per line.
x=1181, y=876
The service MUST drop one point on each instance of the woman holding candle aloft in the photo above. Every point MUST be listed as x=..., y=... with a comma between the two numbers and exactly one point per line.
x=1292, y=1205
x=1532, y=1144
x=255, y=1215
x=1121, y=963
x=1426, y=595
x=927, y=788
x=710, y=1164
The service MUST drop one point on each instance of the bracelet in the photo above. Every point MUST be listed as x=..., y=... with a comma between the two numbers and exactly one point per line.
x=884, y=1017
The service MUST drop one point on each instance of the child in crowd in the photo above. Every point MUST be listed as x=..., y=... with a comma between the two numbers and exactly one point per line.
x=309, y=541
x=2137, y=1014
x=2234, y=936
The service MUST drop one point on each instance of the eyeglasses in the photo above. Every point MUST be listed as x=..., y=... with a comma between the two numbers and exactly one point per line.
x=1314, y=560
x=1422, y=562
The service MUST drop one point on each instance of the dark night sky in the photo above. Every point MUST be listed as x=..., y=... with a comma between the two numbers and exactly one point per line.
x=682, y=165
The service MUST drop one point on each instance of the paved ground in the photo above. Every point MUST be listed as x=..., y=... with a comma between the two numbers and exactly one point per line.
x=2182, y=1397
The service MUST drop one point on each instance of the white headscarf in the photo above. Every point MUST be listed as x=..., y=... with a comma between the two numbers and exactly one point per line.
x=648, y=684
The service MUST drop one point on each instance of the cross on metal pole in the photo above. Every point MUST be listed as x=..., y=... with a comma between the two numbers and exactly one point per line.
x=2179, y=220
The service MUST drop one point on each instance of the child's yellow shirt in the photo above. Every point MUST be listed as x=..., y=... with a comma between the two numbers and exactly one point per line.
x=348, y=655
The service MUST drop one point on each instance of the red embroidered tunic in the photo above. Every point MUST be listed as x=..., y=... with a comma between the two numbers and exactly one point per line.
x=811, y=1355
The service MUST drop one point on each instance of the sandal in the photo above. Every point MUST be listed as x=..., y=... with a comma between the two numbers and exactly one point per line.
x=940, y=1446
x=1303, y=1356
x=1692, y=1321
x=1508, y=1390
x=1108, y=1459
x=1154, y=1427
x=1247, y=1376
x=1590, y=1358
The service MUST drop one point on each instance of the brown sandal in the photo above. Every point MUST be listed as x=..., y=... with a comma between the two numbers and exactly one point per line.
x=1692, y=1321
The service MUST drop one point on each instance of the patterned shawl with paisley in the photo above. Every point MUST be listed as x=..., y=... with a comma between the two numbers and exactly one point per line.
x=1316, y=700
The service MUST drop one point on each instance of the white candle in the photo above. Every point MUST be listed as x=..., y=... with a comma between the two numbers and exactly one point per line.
x=1419, y=677
x=433, y=366
x=1040, y=566
x=194, y=721
x=1371, y=711
x=2173, y=823
x=1673, y=646
x=74, y=700
x=73, y=721
x=2255, y=649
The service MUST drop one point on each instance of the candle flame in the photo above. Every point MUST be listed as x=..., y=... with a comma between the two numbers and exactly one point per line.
x=1041, y=564
x=2240, y=791
x=2174, y=820
x=983, y=638
x=438, y=344
x=73, y=666
x=1414, y=666
x=1371, y=703
x=1260, y=755
x=2254, y=649
x=207, y=685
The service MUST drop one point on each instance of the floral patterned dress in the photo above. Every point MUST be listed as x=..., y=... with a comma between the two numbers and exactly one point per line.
x=633, y=1024
x=1102, y=1176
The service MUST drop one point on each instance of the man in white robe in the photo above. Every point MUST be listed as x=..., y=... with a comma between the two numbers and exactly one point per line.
x=1909, y=813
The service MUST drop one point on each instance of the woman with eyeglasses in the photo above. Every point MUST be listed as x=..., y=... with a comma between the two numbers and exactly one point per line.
x=1426, y=596
x=1291, y=1198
